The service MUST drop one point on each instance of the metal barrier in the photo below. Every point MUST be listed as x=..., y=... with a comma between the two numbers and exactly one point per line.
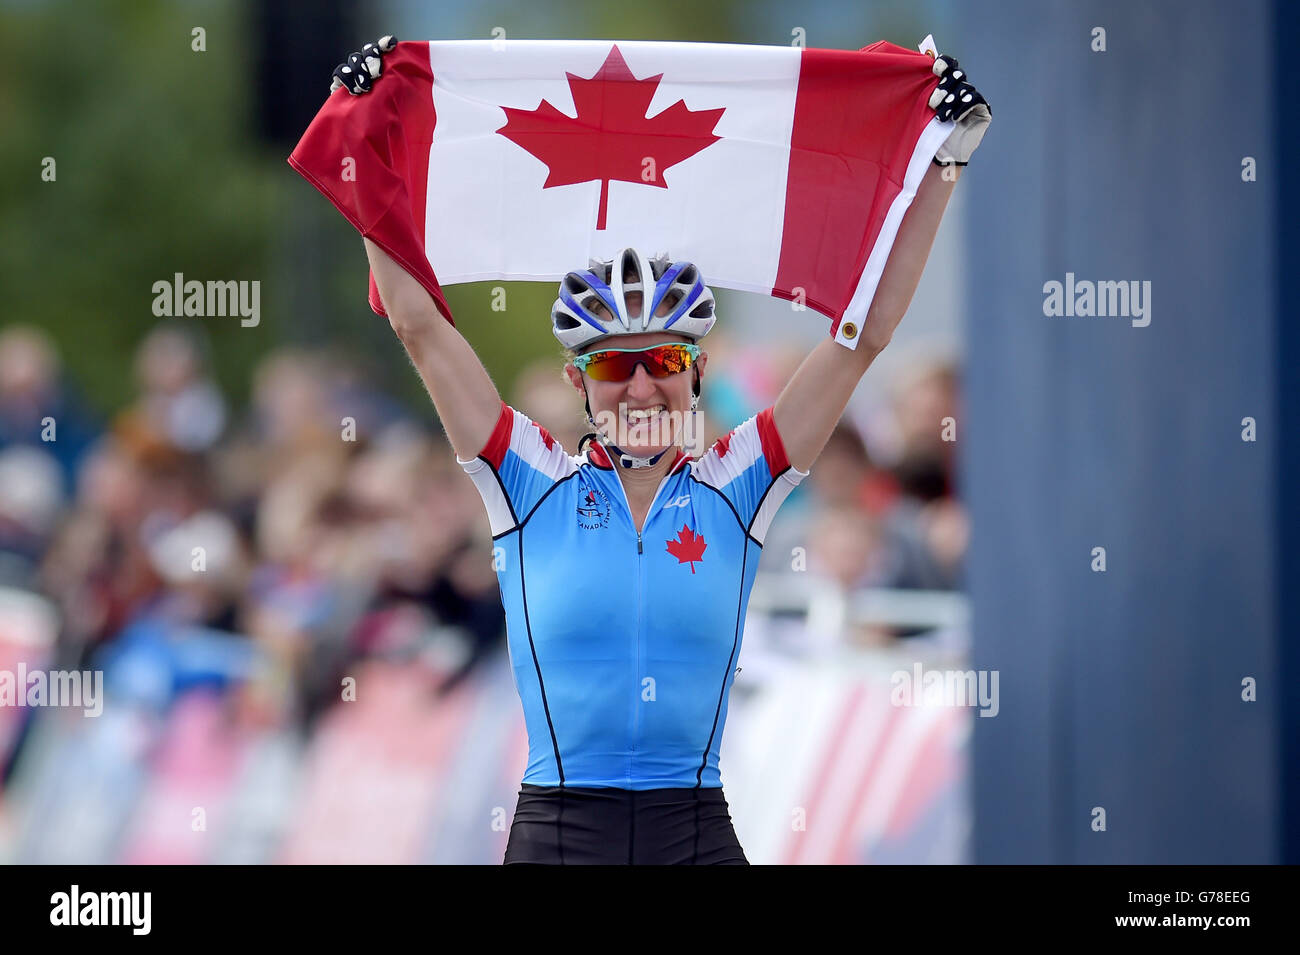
x=821, y=764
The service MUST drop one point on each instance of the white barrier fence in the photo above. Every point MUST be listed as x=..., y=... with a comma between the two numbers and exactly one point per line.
x=820, y=762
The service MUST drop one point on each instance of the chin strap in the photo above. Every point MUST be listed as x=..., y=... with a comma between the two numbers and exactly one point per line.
x=632, y=461
x=621, y=456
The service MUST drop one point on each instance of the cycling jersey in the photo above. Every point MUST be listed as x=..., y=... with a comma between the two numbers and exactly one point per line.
x=624, y=644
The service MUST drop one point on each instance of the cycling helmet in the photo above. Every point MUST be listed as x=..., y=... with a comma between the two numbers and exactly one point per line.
x=576, y=324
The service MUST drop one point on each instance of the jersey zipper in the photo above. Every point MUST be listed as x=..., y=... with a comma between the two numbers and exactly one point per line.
x=636, y=684
x=640, y=572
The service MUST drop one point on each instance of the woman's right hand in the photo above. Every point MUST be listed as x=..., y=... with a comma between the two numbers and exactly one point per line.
x=466, y=400
x=358, y=72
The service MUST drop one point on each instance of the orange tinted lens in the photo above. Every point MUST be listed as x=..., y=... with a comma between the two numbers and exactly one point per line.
x=606, y=365
x=673, y=359
x=660, y=361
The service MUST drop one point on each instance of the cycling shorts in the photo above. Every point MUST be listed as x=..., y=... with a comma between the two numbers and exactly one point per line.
x=606, y=826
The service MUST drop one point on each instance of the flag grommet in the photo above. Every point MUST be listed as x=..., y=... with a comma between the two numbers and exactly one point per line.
x=850, y=330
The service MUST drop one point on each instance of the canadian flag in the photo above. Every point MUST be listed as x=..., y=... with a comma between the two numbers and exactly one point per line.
x=778, y=170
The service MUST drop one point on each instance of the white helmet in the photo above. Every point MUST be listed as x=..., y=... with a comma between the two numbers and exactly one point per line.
x=576, y=324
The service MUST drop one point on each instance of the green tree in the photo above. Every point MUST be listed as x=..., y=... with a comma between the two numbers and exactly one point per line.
x=156, y=172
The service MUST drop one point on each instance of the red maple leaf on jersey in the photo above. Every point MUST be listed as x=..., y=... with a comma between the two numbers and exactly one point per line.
x=688, y=547
x=611, y=137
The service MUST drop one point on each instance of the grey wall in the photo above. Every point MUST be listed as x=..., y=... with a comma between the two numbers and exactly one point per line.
x=1123, y=689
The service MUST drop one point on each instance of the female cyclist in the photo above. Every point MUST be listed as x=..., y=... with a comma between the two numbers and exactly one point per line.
x=627, y=568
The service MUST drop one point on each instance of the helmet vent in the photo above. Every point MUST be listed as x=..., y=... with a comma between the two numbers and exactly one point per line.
x=617, y=296
x=631, y=268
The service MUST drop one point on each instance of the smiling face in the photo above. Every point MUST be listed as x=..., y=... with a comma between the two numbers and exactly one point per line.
x=648, y=412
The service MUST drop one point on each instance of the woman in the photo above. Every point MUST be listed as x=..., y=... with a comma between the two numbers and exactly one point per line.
x=626, y=569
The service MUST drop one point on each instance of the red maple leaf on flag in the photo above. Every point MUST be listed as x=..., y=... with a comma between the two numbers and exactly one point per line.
x=611, y=137
x=688, y=547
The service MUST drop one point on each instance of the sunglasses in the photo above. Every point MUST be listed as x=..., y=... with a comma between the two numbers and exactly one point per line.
x=619, y=364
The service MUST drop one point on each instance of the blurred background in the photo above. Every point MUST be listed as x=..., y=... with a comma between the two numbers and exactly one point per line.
x=335, y=551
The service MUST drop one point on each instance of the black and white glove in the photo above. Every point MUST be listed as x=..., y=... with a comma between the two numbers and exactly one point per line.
x=358, y=73
x=955, y=99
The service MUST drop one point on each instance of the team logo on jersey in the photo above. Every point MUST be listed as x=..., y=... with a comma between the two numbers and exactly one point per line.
x=593, y=509
x=688, y=547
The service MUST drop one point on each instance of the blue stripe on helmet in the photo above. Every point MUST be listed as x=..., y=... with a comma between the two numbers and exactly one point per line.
x=604, y=291
x=664, y=284
x=685, y=304
x=581, y=312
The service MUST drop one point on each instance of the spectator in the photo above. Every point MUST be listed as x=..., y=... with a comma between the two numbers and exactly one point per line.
x=178, y=401
x=36, y=408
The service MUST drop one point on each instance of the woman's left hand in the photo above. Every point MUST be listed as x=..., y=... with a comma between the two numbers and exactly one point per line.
x=955, y=99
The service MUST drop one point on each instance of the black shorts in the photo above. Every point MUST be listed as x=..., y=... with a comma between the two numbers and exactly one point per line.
x=568, y=826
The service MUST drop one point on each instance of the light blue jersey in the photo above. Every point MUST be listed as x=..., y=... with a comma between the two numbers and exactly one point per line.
x=624, y=645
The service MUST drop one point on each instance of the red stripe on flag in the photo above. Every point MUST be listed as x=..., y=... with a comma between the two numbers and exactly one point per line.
x=369, y=156
x=857, y=119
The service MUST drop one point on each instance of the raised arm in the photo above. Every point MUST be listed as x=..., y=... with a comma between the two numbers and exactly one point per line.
x=817, y=394
x=811, y=403
x=466, y=399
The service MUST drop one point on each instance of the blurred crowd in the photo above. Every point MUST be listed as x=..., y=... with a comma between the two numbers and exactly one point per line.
x=265, y=551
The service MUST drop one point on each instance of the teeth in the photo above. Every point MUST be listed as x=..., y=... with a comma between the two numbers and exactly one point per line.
x=639, y=414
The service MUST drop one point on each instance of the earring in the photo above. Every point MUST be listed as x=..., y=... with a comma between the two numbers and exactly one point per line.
x=693, y=438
